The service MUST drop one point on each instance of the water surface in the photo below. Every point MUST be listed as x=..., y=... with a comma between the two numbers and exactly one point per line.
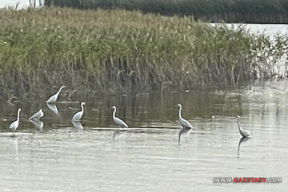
x=93, y=156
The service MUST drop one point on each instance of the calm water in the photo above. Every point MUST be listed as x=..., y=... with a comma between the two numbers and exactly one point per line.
x=86, y=157
x=92, y=156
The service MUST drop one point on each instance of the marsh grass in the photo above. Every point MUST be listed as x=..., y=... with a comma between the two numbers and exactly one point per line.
x=232, y=11
x=121, y=51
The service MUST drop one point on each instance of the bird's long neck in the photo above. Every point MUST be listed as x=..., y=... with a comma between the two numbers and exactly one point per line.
x=59, y=91
x=239, y=125
x=180, y=109
x=18, y=115
x=82, y=106
x=114, y=112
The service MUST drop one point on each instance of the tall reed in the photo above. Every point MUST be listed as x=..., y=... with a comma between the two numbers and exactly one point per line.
x=125, y=51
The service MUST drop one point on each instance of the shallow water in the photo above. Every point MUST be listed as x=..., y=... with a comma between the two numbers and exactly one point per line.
x=93, y=156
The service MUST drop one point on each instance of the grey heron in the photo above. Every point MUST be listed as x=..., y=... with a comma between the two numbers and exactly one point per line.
x=14, y=125
x=79, y=114
x=54, y=97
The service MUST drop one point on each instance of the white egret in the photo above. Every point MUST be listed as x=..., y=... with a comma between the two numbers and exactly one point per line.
x=79, y=114
x=54, y=97
x=183, y=122
x=37, y=115
x=118, y=121
x=14, y=125
x=242, y=132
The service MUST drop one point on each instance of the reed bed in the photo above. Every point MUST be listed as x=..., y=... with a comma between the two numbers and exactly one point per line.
x=121, y=51
x=232, y=11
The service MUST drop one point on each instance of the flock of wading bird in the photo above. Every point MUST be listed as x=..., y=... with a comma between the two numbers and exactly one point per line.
x=186, y=126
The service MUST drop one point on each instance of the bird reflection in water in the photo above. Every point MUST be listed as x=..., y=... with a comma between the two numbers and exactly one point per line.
x=13, y=145
x=39, y=124
x=53, y=108
x=120, y=135
x=182, y=132
x=77, y=125
x=243, y=139
x=116, y=135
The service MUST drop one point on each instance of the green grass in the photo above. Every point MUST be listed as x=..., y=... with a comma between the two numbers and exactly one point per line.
x=124, y=51
x=232, y=11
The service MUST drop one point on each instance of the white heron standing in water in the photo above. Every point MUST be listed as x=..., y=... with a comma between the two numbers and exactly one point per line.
x=37, y=115
x=186, y=126
x=183, y=122
x=242, y=132
x=79, y=114
x=118, y=121
x=14, y=125
x=54, y=97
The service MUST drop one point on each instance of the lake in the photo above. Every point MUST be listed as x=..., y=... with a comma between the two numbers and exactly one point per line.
x=93, y=155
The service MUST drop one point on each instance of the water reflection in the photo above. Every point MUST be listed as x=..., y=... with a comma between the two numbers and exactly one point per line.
x=243, y=139
x=116, y=135
x=77, y=125
x=122, y=134
x=149, y=150
x=183, y=131
x=13, y=145
x=39, y=124
x=53, y=108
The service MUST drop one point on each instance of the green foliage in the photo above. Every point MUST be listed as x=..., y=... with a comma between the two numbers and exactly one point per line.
x=125, y=51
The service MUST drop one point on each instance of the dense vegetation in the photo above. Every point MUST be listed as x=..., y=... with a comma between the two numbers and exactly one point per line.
x=232, y=11
x=125, y=51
